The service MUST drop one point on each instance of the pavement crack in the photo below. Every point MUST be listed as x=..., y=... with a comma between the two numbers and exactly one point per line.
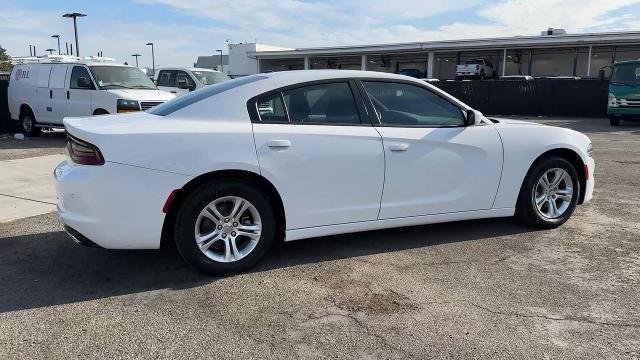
x=27, y=199
x=580, y=319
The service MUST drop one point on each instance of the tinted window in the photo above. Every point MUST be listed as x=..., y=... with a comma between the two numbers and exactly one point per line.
x=405, y=104
x=331, y=103
x=178, y=103
x=77, y=73
x=270, y=109
x=166, y=78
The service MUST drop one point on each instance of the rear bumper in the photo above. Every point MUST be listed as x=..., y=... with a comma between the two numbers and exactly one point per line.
x=114, y=206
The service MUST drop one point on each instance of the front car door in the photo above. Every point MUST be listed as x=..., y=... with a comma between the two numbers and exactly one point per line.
x=184, y=83
x=79, y=97
x=167, y=81
x=316, y=145
x=434, y=164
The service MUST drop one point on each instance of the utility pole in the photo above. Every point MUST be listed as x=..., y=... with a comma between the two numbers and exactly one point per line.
x=136, y=56
x=58, y=38
x=75, y=17
x=50, y=51
x=153, y=59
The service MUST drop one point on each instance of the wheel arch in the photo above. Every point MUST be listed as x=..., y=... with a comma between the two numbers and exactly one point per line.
x=569, y=155
x=26, y=108
x=100, y=111
x=245, y=176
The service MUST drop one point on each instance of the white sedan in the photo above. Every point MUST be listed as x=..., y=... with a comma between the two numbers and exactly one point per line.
x=230, y=169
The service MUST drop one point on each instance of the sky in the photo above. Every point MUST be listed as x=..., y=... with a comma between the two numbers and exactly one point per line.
x=182, y=30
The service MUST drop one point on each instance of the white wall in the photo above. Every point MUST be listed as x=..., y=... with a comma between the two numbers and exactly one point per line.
x=240, y=64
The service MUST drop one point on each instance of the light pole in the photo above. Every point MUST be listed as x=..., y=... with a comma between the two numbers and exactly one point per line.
x=75, y=16
x=58, y=38
x=50, y=51
x=221, y=64
x=153, y=59
x=136, y=56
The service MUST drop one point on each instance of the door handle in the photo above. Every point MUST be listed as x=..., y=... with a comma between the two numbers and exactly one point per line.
x=50, y=94
x=279, y=143
x=67, y=94
x=173, y=91
x=398, y=147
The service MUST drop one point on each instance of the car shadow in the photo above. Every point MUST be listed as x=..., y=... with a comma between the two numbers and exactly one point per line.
x=49, y=269
x=46, y=140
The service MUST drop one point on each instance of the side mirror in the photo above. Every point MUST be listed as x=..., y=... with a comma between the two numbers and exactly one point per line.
x=84, y=83
x=470, y=118
x=601, y=74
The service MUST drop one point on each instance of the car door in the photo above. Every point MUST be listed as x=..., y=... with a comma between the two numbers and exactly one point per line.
x=315, y=144
x=57, y=93
x=78, y=96
x=434, y=164
x=43, y=101
x=184, y=83
x=167, y=81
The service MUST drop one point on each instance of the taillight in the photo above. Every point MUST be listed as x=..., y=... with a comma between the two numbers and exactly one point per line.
x=83, y=153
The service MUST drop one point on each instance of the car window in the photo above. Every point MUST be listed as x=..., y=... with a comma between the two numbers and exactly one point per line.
x=77, y=73
x=331, y=103
x=271, y=109
x=166, y=78
x=404, y=104
x=184, y=78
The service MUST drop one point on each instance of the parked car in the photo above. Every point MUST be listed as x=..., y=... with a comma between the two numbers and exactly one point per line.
x=180, y=81
x=42, y=92
x=624, y=94
x=477, y=68
x=517, y=78
x=227, y=171
x=412, y=73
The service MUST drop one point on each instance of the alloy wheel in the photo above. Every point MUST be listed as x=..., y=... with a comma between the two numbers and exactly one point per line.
x=553, y=193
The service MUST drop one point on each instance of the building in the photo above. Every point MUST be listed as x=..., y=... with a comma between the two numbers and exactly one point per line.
x=553, y=53
x=211, y=62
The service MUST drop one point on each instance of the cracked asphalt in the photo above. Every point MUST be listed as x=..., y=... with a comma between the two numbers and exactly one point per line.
x=474, y=289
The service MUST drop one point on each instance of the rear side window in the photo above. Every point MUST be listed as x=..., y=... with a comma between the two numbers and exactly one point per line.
x=271, y=109
x=178, y=103
x=331, y=103
x=401, y=104
x=166, y=78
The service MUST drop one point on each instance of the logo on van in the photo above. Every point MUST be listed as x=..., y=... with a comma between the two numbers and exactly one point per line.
x=22, y=74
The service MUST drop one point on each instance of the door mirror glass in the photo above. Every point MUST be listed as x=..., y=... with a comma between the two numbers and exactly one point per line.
x=470, y=118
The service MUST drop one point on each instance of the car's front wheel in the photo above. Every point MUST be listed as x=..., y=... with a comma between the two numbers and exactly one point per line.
x=549, y=194
x=224, y=228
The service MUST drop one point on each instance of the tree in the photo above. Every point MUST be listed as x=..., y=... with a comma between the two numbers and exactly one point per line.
x=5, y=60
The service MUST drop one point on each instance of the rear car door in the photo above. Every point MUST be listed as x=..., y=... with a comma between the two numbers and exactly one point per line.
x=78, y=97
x=57, y=92
x=434, y=164
x=316, y=145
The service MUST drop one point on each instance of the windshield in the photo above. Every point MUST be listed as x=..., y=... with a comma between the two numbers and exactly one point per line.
x=626, y=74
x=121, y=77
x=210, y=77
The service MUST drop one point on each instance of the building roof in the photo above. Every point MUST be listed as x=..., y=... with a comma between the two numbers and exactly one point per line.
x=211, y=61
x=515, y=42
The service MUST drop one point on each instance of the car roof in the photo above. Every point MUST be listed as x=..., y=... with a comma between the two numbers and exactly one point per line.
x=185, y=68
x=312, y=75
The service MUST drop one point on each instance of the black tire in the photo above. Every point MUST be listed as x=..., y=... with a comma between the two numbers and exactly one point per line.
x=100, y=112
x=614, y=120
x=189, y=211
x=526, y=210
x=28, y=125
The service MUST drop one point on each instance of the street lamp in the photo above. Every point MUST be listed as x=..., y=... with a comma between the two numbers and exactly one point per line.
x=50, y=51
x=221, y=64
x=57, y=37
x=136, y=56
x=153, y=58
x=75, y=27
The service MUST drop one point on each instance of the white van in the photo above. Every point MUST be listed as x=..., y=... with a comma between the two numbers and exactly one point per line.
x=44, y=90
x=180, y=81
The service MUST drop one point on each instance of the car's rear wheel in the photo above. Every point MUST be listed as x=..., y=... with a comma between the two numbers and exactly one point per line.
x=28, y=123
x=549, y=194
x=224, y=228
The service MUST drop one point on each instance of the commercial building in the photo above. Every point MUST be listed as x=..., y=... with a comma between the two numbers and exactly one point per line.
x=553, y=53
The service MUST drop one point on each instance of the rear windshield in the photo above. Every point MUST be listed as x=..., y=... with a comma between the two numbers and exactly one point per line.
x=178, y=103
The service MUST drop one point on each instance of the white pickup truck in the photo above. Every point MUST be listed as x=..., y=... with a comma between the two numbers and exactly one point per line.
x=476, y=68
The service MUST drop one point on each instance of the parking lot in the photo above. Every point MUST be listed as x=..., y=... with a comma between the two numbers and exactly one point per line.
x=486, y=288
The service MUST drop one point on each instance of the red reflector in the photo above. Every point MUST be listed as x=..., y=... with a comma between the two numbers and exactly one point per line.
x=167, y=204
x=586, y=172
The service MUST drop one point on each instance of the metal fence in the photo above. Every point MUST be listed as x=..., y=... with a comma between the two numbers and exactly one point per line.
x=540, y=97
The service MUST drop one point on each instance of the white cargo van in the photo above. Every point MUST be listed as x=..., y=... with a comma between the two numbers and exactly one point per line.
x=46, y=89
x=180, y=81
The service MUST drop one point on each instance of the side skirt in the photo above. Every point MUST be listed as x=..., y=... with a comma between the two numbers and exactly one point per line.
x=298, y=234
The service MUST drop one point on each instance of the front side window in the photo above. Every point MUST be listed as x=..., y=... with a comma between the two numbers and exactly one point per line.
x=77, y=73
x=331, y=103
x=121, y=77
x=271, y=109
x=183, y=79
x=402, y=104
x=210, y=77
